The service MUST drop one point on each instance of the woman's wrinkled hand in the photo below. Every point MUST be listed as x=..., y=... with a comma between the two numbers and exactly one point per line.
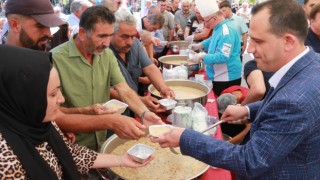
x=127, y=161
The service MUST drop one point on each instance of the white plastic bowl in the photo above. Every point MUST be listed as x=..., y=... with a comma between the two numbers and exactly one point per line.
x=119, y=106
x=140, y=152
x=158, y=130
x=168, y=103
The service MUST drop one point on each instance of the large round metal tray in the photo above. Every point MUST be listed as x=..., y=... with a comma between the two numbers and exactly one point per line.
x=186, y=83
x=168, y=62
x=161, y=165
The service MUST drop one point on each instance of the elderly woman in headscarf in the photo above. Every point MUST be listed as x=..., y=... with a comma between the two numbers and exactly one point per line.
x=32, y=146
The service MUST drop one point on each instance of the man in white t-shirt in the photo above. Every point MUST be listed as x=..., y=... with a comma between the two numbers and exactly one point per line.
x=245, y=12
x=144, y=11
x=77, y=8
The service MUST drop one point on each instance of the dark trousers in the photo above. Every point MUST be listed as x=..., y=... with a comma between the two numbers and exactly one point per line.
x=241, y=51
x=219, y=86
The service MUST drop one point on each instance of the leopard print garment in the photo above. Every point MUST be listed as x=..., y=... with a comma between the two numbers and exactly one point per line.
x=11, y=168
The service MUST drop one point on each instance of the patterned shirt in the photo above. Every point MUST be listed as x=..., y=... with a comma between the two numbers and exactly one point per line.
x=11, y=167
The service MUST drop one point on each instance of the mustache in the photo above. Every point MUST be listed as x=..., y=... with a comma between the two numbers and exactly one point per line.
x=102, y=47
x=128, y=47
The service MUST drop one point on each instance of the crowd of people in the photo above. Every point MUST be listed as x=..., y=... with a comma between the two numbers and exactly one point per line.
x=283, y=136
x=57, y=70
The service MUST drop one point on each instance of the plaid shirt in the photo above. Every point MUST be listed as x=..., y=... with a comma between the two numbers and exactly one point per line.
x=285, y=133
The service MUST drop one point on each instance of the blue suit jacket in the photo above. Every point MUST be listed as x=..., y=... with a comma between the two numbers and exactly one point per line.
x=285, y=133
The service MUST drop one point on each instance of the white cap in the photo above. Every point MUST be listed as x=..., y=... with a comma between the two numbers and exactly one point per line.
x=207, y=8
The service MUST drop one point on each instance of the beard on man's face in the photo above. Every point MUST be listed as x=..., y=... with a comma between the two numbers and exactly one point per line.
x=91, y=48
x=99, y=50
x=96, y=50
x=27, y=42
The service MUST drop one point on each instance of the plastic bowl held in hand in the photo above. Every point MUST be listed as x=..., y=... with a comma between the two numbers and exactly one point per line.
x=114, y=104
x=158, y=130
x=168, y=103
x=140, y=152
x=163, y=43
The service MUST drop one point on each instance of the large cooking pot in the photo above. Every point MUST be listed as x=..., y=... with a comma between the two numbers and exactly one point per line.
x=165, y=165
x=186, y=92
x=171, y=61
x=175, y=46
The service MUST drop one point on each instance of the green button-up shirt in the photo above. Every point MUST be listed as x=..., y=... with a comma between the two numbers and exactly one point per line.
x=83, y=84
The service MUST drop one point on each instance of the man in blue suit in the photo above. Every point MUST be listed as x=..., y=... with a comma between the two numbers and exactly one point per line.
x=285, y=132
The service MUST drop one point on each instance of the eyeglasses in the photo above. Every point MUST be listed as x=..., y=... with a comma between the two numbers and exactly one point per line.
x=206, y=21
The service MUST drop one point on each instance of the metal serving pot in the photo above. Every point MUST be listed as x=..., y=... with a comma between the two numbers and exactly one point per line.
x=175, y=46
x=185, y=83
x=171, y=61
x=162, y=163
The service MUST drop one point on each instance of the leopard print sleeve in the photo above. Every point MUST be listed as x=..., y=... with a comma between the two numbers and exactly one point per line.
x=10, y=166
x=83, y=157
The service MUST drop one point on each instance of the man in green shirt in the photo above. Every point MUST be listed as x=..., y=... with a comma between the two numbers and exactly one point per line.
x=87, y=70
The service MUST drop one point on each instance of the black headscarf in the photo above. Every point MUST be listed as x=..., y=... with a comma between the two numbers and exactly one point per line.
x=24, y=76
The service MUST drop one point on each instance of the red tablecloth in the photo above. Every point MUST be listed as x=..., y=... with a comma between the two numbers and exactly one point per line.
x=215, y=173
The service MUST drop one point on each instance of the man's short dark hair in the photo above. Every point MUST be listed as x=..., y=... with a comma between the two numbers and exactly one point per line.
x=156, y=19
x=286, y=16
x=314, y=11
x=225, y=4
x=94, y=15
x=305, y=2
x=161, y=0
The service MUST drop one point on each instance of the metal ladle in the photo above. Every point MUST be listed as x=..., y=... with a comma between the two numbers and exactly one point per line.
x=213, y=125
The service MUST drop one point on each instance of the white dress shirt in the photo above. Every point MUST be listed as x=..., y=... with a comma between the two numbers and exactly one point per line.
x=275, y=79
